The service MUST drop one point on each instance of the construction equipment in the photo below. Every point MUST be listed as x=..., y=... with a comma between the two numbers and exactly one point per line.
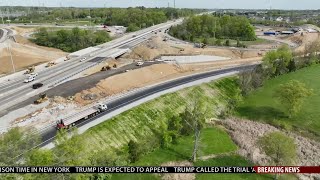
x=105, y=68
x=200, y=45
x=86, y=114
x=67, y=58
x=114, y=65
x=51, y=63
x=30, y=70
x=42, y=98
x=181, y=50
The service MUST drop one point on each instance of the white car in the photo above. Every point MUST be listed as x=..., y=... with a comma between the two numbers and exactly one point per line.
x=31, y=78
x=140, y=63
x=33, y=74
x=83, y=59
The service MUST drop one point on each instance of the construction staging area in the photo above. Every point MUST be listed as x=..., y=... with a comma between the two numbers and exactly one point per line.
x=112, y=76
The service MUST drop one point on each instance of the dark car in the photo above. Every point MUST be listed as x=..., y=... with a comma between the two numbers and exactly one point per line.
x=37, y=85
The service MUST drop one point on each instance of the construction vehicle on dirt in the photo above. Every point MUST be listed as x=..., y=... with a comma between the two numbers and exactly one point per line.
x=51, y=63
x=30, y=70
x=42, y=98
x=105, y=68
x=200, y=45
x=86, y=114
x=67, y=58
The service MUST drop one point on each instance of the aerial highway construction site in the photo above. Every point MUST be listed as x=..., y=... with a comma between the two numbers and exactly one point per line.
x=198, y=91
x=69, y=84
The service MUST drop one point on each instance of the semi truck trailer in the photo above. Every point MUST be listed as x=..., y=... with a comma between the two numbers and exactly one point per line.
x=88, y=113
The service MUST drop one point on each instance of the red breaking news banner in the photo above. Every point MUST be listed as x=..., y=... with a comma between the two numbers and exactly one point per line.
x=287, y=169
x=159, y=169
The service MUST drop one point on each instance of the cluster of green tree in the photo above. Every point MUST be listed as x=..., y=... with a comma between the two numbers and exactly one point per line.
x=139, y=17
x=279, y=62
x=206, y=27
x=70, y=40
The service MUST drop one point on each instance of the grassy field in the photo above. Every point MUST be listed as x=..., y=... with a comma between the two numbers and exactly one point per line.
x=139, y=122
x=261, y=105
x=214, y=141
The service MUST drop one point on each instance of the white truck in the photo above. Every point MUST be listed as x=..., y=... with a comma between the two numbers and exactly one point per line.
x=86, y=114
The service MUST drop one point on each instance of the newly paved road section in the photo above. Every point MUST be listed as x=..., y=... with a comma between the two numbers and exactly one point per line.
x=50, y=133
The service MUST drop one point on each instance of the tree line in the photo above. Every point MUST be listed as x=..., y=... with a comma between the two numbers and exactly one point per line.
x=138, y=17
x=70, y=40
x=205, y=27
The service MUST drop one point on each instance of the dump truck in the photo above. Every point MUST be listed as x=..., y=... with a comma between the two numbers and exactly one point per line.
x=30, y=70
x=42, y=98
x=86, y=114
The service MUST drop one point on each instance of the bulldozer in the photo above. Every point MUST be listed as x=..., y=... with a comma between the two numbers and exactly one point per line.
x=51, y=64
x=30, y=70
x=42, y=98
x=105, y=68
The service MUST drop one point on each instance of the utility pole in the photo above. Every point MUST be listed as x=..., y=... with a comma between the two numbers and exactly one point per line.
x=174, y=3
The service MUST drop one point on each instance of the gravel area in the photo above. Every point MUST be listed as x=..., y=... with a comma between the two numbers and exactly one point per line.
x=246, y=133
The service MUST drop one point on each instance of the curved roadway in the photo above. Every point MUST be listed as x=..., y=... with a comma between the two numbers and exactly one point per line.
x=50, y=132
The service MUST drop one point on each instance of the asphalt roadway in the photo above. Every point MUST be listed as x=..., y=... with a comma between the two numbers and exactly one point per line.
x=72, y=87
x=50, y=133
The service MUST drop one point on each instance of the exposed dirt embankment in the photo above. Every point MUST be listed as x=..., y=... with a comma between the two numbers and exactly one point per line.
x=246, y=133
x=128, y=81
x=156, y=47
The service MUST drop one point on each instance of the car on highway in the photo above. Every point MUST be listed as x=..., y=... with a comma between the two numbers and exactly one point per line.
x=140, y=63
x=83, y=59
x=37, y=85
x=33, y=74
x=29, y=79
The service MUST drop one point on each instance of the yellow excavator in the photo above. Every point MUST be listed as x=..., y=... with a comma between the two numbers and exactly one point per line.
x=51, y=63
x=30, y=70
x=42, y=98
x=105, y=68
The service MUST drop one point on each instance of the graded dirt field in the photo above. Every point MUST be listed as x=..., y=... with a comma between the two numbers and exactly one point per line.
x=24, y=52
x=24, y=56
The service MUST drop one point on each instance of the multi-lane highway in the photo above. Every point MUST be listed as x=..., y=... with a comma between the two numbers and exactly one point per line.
x=16, y=91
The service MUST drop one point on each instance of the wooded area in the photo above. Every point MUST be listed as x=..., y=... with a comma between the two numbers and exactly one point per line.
x=138, y=17
x=202, y=28
x=70, y=40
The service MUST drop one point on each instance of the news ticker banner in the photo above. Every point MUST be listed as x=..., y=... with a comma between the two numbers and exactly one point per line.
x=159, y=169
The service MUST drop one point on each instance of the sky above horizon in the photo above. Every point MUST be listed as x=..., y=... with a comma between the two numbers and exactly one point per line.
x=208, y=4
